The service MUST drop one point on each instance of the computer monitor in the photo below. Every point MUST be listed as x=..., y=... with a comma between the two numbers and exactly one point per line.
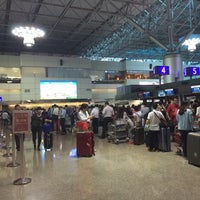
x=146, y=94
x=195, y=89
x=169, y=92
x=161, y=93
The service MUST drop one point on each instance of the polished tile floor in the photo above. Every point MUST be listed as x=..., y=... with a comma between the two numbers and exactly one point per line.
x=116, y=172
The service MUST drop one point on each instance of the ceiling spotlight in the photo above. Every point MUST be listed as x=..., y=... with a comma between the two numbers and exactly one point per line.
x=192, y=41
x=28, y=33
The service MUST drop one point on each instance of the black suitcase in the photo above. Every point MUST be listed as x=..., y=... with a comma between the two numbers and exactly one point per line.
x=48, y=136
x=48, y=141
x=138, y=137
x=193, y=148
x=164, y=141
x=100, y=131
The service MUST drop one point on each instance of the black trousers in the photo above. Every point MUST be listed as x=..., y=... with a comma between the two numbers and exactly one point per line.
x=184, y=135
x=17, y=140
x=95, y=125
x=106, y=120
x=37, y=134
x=62, y=124
x=153, y=140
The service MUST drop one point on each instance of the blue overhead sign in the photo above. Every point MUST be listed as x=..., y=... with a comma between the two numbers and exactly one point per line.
x=161, y=70
x=191, y=71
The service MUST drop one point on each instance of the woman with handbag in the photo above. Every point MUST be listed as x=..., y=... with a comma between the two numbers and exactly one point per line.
x=154, y=126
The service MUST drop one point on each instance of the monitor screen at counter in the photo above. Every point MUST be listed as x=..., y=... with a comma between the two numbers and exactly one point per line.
x=195, y=89
x=161, y=93
x=169, y=92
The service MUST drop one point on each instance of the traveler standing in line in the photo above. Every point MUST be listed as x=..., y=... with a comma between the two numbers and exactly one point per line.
x=185, y=120
x=108, y=113
x=37, y=121
x=154, y=128
x=56, y=119
x=138, y=117
x=197, y=115
x=62, y=120
x=171, y=110
x=83, y=114
x=95, y=119
x=17, y=136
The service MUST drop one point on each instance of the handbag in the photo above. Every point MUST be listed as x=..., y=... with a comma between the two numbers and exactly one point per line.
x=146, y=127
x=162, y=123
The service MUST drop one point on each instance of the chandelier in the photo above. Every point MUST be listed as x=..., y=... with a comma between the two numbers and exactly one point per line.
x=28, y=33
x=192, y=41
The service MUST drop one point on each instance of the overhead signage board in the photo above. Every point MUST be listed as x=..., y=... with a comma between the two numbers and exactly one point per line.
x=161, y=70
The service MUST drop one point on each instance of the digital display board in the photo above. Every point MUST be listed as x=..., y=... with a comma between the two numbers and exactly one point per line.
x=58, y=89
x=191, y=71
x=161, y=93
x=161, y=70
x=169, y=92
x=195, y=89
x=146, y=94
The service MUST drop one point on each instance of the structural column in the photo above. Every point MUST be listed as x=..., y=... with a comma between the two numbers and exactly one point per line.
x=174, y=61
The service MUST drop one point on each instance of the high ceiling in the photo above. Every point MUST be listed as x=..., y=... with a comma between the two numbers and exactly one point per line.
x=127, y=29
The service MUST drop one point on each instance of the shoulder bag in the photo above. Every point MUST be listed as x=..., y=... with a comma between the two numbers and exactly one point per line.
x=162, y=123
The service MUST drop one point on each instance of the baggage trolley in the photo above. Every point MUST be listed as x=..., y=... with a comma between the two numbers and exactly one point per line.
x=118, y=131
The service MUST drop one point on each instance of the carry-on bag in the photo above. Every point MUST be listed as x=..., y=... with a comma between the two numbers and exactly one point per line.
x=193, y=148
x=85, y=143
x=138, y=137
x=48, y=136
x=164, y=141
x=48, y=141
x=82, y=125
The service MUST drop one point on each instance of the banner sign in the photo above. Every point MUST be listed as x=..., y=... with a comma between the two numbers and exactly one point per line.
x=21, y=121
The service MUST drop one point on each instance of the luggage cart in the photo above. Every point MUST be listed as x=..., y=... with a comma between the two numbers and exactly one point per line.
x=118, y=131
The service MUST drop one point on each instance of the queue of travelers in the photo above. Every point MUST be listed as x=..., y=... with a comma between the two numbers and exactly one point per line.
x=177, y=115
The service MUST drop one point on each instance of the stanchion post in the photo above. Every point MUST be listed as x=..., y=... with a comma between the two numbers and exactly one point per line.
x=7, y=154
x=13, y=163
x=23, y=180
x=21, y=125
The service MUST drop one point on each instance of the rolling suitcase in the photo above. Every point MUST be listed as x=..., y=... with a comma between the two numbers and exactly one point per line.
x=164, y=141
x=193, y=148
x=138, y=137
x=85, y=143
x=100, y=131
x=48, y=141
x=48, y=136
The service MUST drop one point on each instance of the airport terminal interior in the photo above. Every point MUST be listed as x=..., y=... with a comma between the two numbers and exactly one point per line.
x=104, y=51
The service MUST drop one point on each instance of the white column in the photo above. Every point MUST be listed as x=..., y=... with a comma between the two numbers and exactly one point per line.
x=174, y=61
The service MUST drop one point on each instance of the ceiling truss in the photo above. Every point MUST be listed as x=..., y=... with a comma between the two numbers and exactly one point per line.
x=127, y=29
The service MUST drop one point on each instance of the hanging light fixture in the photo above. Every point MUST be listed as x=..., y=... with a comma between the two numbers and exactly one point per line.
x=28, y=33
x=192, y=41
